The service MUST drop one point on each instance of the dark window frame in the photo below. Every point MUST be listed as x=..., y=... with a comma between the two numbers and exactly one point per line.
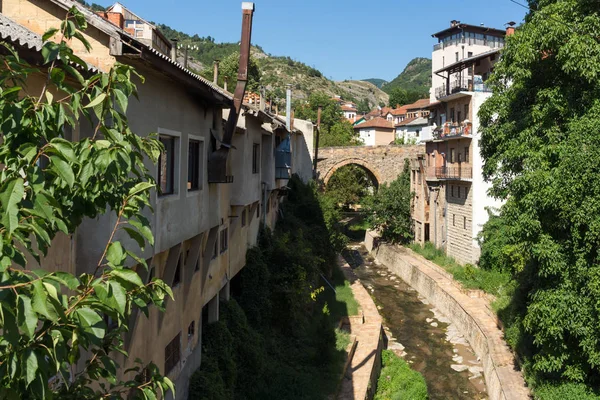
x=170, y=166
x=224, y=240
x=173, y=353
x=255, y=158
x=244, y=217
x=194, y=180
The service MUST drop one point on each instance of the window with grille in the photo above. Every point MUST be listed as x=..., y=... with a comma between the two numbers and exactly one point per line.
x=255, y=158
x=173, y=353
x=224, y=240
x=166, y=166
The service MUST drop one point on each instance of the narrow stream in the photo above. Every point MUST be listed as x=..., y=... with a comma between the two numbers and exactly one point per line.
x=420, y=334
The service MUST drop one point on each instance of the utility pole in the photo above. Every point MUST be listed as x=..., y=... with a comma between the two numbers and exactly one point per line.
x=316, y=152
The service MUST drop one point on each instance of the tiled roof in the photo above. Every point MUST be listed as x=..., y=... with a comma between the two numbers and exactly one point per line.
x=406, y=121
x=11, y=31
x=419, y=104
x=399, y=111
x=386, y=110
x=348, y=108
x=376, y=123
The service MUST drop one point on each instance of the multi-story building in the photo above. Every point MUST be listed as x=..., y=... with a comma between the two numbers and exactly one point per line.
x=202, y=225
x=451, y=200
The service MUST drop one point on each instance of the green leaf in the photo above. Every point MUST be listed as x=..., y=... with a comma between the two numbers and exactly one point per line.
x=49, y=97
x=144, y=230
x=64, y=148
x=118, y=297
x=96, y=101
x=31, y=366
x=121, y=99
x=40, y=301
x=10, y=198
x=128, y=275
x=27, y=319
x=90, y=319
x=49, y=33
x=115, y=254
x=62, y=169
x=140, y=187
x=135, y=235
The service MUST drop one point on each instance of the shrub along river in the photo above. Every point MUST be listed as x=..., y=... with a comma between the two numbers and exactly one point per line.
x=420, y=334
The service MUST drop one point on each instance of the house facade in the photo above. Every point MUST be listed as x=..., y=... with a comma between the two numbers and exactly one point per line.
x=450, y=202
x=202, y=227
x=376, y=132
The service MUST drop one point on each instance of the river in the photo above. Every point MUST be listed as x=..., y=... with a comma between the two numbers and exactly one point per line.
x=420, y=334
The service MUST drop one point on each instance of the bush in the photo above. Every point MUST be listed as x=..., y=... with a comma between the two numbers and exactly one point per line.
x=397, y=381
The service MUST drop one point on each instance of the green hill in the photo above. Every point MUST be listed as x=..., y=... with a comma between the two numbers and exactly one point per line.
x=415, y=77
x=377, y=82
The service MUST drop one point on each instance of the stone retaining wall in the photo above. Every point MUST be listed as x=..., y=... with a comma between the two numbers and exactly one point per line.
x=471, y=316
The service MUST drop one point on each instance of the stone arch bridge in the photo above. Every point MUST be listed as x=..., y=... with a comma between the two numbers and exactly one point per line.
x=383, y=163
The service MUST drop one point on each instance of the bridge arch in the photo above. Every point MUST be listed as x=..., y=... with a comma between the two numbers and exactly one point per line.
x=372, y=171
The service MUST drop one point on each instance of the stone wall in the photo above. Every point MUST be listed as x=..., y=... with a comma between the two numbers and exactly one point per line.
x=472, y=317
x=384, y=163
x=459, y=197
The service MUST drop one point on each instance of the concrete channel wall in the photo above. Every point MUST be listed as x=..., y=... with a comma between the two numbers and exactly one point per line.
x=471, y=316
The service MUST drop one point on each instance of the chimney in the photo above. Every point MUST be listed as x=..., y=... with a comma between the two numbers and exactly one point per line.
x=292, y=121
x=454, y=23
x=288, y=107
x=216, y=72
x=174, y=49
x=225, y=79
x=263, y=107
x=510, y=29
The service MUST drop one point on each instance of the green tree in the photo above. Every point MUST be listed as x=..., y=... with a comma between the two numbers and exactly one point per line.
x=340, y=134
x=349, y=185
x=331, y=113
x=52, y=322
x=398, y=96
x=228, y=68
x=389, y=209
x=364, y=107
x=540, y=149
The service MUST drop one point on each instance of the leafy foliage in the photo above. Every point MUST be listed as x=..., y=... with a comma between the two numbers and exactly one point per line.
x=540, y=151
x=51, y=322
x=399, y=96
x=398, y=381
x=349, y=185
x=335, y=130
x=278, y=340
x=229, y=69
x=389, y=209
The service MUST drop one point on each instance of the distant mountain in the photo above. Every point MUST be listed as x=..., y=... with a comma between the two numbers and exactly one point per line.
x=415, y=77
x=377, y=82
x=276, y=71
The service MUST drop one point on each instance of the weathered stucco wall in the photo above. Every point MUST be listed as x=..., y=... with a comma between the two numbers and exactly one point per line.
x=477, y=323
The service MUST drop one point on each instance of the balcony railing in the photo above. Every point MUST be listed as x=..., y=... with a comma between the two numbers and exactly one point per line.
x=461, y=85
x=283, y=164
x=452, y=130
x=455, y=172
x=469, y=41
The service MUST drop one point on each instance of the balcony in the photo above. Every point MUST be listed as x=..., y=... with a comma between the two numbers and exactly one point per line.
x=452, y=173
x=462, y=85
x=469, y=41
x=452, y=130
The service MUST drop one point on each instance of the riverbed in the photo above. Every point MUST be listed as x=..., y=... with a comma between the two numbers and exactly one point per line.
x=420, y=334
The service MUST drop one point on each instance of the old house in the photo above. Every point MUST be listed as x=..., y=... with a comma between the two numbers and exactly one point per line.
x=202, y=225
x=375, y=132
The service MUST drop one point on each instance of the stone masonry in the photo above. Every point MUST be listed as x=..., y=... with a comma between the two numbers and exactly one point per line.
x=383, y=163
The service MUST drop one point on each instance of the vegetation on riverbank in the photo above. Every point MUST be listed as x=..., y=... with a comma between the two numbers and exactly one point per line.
x=398, y=381
x=276, y=338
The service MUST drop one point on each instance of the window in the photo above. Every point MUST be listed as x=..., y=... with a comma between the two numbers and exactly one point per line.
x=191, y=330
x=459, y=192
x=458, y=116
x=177, y=276
x=258, y=210
x=166, y=166
x=244, y=217
x=465, y=222
x=172, y=353
x=466, y=111
x=470, y=54
x=215, y=249
x=224, y=239
x=466, y=154
x=452, y=156
x=452, y=114
x=453, y=219
x=419, y=177
x=255, y=158
x=195, y=152
x=452, y=191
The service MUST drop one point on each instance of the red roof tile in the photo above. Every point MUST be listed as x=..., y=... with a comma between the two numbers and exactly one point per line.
x=406, y=121
x=399, y=111
x=376, y=123
x=348, y=108
x=419, y=104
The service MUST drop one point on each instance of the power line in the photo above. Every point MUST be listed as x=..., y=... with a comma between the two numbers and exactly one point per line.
x=573, y=29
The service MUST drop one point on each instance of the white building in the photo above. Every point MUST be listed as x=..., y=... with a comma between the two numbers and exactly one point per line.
x=376, y=132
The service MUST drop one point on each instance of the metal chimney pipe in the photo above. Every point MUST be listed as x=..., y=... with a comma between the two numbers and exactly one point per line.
x=216, y=72
x=262, y=98
x=174, y=49
x=288, y=107
x=225, y=79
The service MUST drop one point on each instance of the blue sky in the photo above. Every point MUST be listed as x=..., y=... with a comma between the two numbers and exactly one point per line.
x=348, y=39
